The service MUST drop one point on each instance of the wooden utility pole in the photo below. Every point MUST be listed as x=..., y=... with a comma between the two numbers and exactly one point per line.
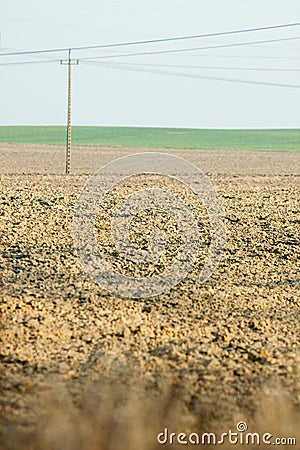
x=70, y=63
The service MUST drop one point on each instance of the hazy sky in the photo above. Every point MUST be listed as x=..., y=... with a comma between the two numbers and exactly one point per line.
x=126, y=94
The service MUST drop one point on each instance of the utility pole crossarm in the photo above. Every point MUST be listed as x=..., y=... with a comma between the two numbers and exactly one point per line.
x=70, y=62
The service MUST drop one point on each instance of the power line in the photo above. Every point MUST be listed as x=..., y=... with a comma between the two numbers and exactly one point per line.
x=271, y=69
x=179, y=50
x=239, y=56
x=40, y=61
x=182, y=75
x=182, y=66
x=153, y=41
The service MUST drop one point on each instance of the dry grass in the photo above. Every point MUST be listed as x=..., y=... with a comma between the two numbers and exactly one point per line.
x=128, y=415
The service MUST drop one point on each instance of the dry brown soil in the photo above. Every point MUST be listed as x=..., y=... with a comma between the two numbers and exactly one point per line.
x=82, y=369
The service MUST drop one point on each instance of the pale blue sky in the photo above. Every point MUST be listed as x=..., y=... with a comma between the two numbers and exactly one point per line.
x=36, y=94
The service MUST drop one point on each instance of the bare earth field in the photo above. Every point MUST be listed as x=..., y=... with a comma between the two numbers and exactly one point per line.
x=82, y=369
